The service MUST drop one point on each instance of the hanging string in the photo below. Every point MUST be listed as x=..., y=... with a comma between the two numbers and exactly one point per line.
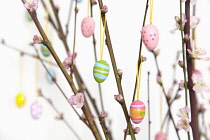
x=151, y=10
x=37, y=78
x=21, y=72
x=138, y=79
x=88, y=8
x=102, y=36
x=161, y=107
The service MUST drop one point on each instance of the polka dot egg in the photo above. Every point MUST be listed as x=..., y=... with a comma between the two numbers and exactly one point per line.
x=45, y=50
x=137, y=111
x=48, y=77
x=88, y=26
x=150, y=36
x=101, y=71
x=36, y=110
x=20, y=99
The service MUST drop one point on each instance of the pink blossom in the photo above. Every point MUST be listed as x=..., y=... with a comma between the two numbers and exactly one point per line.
x=32, y=6
x=160, y=136
x=183, y=123
x=183, y=112
x=192, y=1
x=71, y=100
x=79, y=100
x=103, y=114
x=197, y=53
x=37, y=40
x=68, y=62
x=136, y=130
x=194, y=21
x=118, y=97
x=199, y=84
x=179, y=24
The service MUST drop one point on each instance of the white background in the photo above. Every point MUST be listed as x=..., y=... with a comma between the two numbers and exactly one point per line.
x=124, y=20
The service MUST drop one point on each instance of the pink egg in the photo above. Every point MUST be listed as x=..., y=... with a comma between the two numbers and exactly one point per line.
x=160, y=136
x=150, y=36
x=88, y=26
x=137, y=111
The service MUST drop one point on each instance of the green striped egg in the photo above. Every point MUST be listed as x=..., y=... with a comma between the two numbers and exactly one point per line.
x=45, y=50
x=101, y=71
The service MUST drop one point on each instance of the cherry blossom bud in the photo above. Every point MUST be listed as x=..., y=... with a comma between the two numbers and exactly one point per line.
x=37, y=40
x=186, y=37
x=180, y=63
x=104, y=9
x=120, y=72
x=156, y=52
x=159, y=80
x=119, y=98
x=102, y=114
x=136, y=130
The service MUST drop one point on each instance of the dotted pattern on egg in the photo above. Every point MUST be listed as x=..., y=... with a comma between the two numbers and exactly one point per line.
x=36, y=110
x=150, y=36
x=88, y=26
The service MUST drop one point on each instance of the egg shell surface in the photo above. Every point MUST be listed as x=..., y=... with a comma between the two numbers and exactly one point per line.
x=100, y=71
x=88, y=26
x=137, y=111
x=150, y=36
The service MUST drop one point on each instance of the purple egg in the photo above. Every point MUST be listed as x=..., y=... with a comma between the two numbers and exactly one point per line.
x=36, y=110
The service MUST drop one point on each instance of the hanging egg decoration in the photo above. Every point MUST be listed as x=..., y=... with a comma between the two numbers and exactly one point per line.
x=88, y=26
x=79, y=1
x=45, y=50
x=20, y=99
x=137, y=111
x=36, y=110
x=150, y=36
x=48, y=77
x=160, y=136
x=100, y=71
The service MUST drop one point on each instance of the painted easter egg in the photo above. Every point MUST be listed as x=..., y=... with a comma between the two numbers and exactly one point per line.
x=88, y=26
x=20, y=99
x=36, y=110
x=137, y=111
x=45, y=50
x=160, y=136
x=150, y=36
x=101, y=71
x=79, y=1
x=48, y=77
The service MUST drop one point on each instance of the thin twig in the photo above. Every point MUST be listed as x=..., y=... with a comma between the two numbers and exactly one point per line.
x=117, y=77
x=58, y=113
x=69, y=79
x=69, y=17
x=193, y=100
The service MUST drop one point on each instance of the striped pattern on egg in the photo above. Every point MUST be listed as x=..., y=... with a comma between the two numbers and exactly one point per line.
x=150, y=36
x=137, y=111
x=45, y=50
x=88, y=26
x=101, y=71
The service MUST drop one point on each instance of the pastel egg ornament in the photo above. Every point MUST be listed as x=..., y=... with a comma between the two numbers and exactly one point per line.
x=101, y=71
x=45, y=50
x=79, y=1
x=137, y=111
x=20, y=99
x=150, y=36
x=48, y=77
x=88, y=26
x=160, y=136
x=36, y=110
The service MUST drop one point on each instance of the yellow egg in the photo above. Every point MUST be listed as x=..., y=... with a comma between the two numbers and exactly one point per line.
x=20, y=99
